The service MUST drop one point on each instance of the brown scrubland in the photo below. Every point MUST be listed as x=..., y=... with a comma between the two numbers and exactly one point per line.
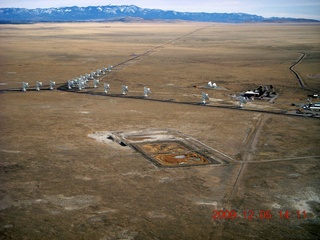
x=62, y=178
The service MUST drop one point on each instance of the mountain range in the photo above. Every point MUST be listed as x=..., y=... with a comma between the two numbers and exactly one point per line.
x=128, y=13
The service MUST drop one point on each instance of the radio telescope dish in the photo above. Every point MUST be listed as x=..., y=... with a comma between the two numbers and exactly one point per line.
x=104, y=70
x=91, y=75
x=81, y=84
x=85, y=79
x=212, y=85
x=52, y=85
x=25, y=85
x=38, y=85
x=96, y=83
x=205, y=97
x=125, y=90
x=81, y=78
x=106, y=87
x=242, y=100
x=146, y=91
x=70, y=84
x=110, y=68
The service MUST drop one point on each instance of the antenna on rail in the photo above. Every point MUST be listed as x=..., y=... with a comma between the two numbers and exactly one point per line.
x=96, y=83
x=146, y=92
x=38, y=85
x=91, y=75
x=70, y=84
x=242, y=100
x=52, y=85
x=25, y=85
x=106, y=87
x=125, y=90
x=81, y=84
x=205, y=97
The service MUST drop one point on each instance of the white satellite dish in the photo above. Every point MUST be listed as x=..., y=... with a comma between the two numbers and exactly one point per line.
x=52, y=85
x=96, y=83
x=212, y=85
x=81, y=78
x=242, y=100
x=125, y=90
x=91, y=75
x=205, y=97
x=81, y=85
x=25, y=85
x=104, y=70
x=98, y=72
x=110, y=68
x=38, y=85
x=106, y=87
x=71, y=84
x=146, y=91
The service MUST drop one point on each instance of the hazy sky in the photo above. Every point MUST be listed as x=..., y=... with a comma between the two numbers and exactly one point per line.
x=265, y=8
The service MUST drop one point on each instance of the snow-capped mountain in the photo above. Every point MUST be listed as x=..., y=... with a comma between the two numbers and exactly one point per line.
x=118, y=13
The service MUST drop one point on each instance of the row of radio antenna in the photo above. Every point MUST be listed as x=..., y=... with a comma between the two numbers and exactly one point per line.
x=81, y=82
x=25, y=85
x=125, y=90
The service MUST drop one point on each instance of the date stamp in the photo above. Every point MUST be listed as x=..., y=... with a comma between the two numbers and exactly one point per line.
x=257, y=214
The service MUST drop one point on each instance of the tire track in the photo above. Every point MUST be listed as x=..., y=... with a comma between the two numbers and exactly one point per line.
x=249, y=149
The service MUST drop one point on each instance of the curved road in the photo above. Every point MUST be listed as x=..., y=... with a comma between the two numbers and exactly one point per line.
x=295, y=73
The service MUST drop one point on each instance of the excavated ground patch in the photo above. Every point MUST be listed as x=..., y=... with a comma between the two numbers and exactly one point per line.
x=167, y=147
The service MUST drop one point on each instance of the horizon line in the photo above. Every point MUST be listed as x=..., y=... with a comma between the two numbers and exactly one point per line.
x=280, y=17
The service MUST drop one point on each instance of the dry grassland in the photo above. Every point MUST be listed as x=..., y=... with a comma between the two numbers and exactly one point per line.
x=58, y=183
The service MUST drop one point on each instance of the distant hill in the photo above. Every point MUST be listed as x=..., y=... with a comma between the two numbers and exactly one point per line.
x=126, y=13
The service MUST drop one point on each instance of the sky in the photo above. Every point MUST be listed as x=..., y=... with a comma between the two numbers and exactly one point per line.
x=266, y=8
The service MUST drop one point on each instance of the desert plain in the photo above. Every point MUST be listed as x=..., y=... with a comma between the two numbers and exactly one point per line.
x=63, y=178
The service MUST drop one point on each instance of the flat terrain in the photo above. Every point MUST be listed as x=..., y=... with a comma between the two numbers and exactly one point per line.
x=59, y=182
